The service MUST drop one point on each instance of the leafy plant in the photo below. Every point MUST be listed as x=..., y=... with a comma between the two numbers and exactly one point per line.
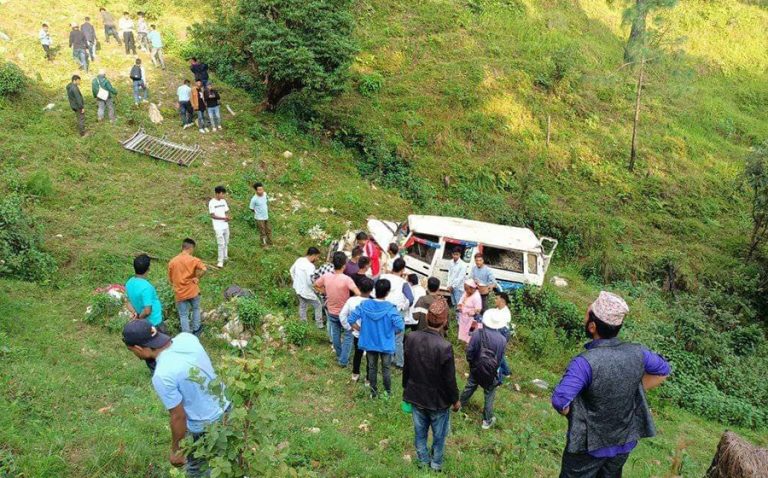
x=21, y=253
x=370, y=84
x=251, y=312
x=39, y=184
x=12, y=79
x=102, y=309
x=288, y=45
x=297, y=332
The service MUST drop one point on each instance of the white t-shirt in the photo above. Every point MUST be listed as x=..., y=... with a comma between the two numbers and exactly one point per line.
x=418, y=292
x=349, y=306
x=220, y=208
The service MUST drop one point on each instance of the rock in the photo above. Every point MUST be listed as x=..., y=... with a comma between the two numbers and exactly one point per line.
x=49, y=106
x=313, y=430
x=323, y=210
x=106, y=409
x=154, y=114
x=517, y=387
x=4, y=37
x=335, y=421
x=282, y=446
x=383, y=444
x=364, y=427
x=559, y=282
x=59, y=236
x=540, y=383
x=287, y=154
x=238, y=343
x=407, y=458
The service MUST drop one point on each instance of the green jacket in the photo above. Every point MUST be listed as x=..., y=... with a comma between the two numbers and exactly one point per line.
x=104, y=83
x=75, y=97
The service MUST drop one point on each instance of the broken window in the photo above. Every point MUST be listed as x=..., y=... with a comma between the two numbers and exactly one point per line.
x=533, y=264
x=423, y=252
x=503, y=259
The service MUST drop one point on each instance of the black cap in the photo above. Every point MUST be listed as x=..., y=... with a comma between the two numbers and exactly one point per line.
x=143, y=334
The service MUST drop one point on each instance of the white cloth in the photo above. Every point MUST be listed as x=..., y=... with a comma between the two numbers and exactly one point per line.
x=349, y=306
x=142, y=26
x=456, y=274
x=396, y=296
x=222, y=241
x=220, y=208
x=125, y=25
x=418, y=292
x=301, y=273
x=497, y=318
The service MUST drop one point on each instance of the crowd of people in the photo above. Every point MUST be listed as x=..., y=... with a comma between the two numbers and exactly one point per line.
x=197, y=101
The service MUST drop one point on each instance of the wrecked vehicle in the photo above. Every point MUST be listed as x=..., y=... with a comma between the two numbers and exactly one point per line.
x=515, y=255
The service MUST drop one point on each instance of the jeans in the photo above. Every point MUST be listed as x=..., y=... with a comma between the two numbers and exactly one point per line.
x=582, y=465
x=184, y=308
x=456, y=295
x=110, y=31
x=109, y=105
x=265, y=230
x=304, y=304
x=48, y=52
x=342, y=340
x=373, y=371
x=440, y=422
x=80, y=121
x=139, y=91
x=130, y=43
x=81, y=57
x=214, y=113
x=504, y=370
x=357, y=358
x=222, y=241
x=202, y=119
x=156, y=55
x=490, y=394
x=185, y=112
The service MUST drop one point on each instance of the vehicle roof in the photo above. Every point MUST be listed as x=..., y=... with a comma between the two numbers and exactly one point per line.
x=506, y=237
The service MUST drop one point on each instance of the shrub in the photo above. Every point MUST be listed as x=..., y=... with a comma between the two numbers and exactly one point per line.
x=289, y=45
x=370, y=84
x=103, y=308
x=21, y=254
x=251, y=312
x=12, y=79
x=39, y=184
x=297, y=332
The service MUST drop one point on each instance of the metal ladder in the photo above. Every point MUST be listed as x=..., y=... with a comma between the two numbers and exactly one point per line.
x=161, y=148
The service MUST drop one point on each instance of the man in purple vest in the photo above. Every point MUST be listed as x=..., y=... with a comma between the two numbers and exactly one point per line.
x=602, y=393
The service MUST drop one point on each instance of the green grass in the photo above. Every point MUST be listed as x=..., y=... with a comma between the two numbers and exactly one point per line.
x=457, y=95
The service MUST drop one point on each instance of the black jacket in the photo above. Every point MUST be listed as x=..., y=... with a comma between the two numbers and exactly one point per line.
x=200, y=70
x=75, y=97
x=89, y=32
x=429, y=373
x=77, y=40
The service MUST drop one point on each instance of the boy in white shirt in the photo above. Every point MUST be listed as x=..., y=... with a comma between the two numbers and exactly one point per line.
x=219, y=211
x=125, y=25
x=142, y=29
x=366, y=287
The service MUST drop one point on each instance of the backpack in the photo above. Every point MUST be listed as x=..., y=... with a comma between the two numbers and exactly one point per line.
x=135, y=73
x=485, y=368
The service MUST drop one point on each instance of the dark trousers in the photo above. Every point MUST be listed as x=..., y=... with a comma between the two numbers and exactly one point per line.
x=373, y=371
x=110, y=31
x=130, y=43
x=185, y=112
x=488, y=398
x=484, y=299
x=357, y=359
x=265, y=232
x=80, y=121
x=48, y=52
x=582, y=465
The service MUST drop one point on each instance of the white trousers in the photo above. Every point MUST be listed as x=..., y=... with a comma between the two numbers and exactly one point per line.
x=222, y=240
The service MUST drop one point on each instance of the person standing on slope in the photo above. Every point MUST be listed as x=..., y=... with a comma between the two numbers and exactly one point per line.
x=301, y=275
x=45, y=41
x=457, y=274
x=79, y=46
x=77, y=103
x=126, y=29
x=184, y=273
x=366, y=287
x=401, y=296
x=90, y=37
x=104, y=93
x=219, y=211
x=197, y=100
x=260, y=207
x=200, y=70
x=109, y=25
x=602, y=393
x=142, y=300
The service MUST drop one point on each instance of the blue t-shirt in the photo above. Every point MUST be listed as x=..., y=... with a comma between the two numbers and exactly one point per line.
x=173, y=384
x=155, y=39
x=259, y=206
x=142, y=294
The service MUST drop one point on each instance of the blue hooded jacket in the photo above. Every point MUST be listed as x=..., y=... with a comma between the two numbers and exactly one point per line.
x=379, y=322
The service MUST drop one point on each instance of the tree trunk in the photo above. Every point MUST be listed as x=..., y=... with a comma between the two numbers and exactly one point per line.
x=633, y=153
x=276, y=91
x=636, y=40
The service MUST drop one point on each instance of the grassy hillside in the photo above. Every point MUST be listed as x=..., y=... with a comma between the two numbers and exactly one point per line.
x=458, y=97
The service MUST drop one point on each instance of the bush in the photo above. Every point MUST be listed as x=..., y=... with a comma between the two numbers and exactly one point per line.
x=251, y=312
x=297, y=332
x=39, y=184
x=21, y=254
x=12, y=79
x=103, y=308
x=370, y=84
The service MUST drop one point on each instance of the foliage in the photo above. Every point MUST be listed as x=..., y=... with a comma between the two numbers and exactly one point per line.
x=251, y=312
x=8, y=468
x=12, y=79
x=239, y=446
x=288, y=45
x=39, y=184
x=756, y=176
x=297, y=332
x=21, y=253
x=637, y=15
x=103, y=308
x=370, y=84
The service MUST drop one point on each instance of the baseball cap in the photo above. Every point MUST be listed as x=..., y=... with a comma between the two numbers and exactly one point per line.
x=143, y=334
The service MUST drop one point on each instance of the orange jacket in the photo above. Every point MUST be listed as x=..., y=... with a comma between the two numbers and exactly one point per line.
x=195, y=100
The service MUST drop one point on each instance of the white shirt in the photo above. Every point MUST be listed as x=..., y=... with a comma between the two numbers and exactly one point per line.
x=396, y=296
x=125, y=25
x=142, y=26
x=220, y=208
x=349, y=306
x=301, y=273
x=456, y=274
x=418, y=292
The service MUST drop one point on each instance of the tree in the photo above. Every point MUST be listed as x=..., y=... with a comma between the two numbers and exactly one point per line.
x=637, y=15
x=756, y=176
x=279, y=46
